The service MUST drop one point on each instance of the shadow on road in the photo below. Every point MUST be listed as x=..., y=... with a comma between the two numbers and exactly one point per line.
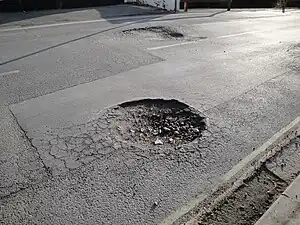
x=106, y=13
x=75, y=14
x=75, y=39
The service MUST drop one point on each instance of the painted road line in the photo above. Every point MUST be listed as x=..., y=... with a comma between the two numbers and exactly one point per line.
x=193, y=42
x=51, y=25
x=253, y=32
x=169, y=46
x=237, y=34
x=153, y=16
x=9, y=72
x=77, y=22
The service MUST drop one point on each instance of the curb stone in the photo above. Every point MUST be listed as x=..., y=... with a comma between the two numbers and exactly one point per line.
x=243, y=169
x=286, y=209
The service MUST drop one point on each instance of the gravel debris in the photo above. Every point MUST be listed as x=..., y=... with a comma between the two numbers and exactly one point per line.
x=163, y=121
x=165, y=32
x=158, y=142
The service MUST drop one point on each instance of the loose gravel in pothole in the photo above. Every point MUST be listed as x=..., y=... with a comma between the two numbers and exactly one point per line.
x=152, y=129
x=161, y=121
x=165, y=32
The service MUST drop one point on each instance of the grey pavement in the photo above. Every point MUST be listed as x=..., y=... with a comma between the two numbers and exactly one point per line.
x=19, y=163
x=239, y=69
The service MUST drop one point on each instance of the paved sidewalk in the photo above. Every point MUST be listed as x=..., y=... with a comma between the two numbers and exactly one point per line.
x=286, y=210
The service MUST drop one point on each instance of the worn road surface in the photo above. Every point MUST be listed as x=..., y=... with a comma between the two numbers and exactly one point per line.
x=240, y=69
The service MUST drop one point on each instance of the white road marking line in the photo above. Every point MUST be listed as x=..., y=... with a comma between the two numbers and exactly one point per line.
x=238, y=34
x=154, y=16
x=77, y=22
x=192, y=42
x=9, y=72
x=169, y=46
x=50, y=25
x=99, y=20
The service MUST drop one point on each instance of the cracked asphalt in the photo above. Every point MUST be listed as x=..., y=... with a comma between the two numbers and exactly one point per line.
x=107, y=137
x=62, y=160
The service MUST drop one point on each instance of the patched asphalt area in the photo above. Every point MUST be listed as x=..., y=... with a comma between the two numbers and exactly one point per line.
x=103, y=161
x=161, y=128
x=134, y=177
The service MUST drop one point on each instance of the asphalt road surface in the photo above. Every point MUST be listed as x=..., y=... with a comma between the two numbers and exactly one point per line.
x=239, y=68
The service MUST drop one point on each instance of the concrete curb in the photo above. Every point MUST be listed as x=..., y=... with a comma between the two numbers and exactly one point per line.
x=286, y=209
x=243, y=169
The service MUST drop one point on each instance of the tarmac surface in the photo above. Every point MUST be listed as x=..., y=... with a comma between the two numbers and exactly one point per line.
x=239, y=69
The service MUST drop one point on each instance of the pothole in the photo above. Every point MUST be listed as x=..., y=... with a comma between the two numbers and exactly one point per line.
x=162, y=31
x=162, y=121
x=150, y=129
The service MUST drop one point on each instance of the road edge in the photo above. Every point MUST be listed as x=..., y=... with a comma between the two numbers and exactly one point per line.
x=245, y=167
x=284, y=208
x=6, y=28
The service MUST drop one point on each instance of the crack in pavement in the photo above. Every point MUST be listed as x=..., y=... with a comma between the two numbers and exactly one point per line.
x=20, y=165
x=108, y=136
x=47, y=170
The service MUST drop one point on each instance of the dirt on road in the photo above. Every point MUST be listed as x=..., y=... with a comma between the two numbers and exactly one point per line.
x=247, y=201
